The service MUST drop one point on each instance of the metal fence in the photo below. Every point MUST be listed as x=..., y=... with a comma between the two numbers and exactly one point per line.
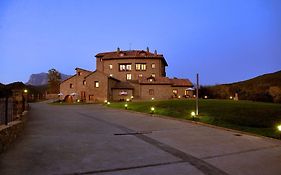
x=6, y=110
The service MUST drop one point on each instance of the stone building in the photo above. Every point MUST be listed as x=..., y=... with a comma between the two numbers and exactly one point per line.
x=122, y=75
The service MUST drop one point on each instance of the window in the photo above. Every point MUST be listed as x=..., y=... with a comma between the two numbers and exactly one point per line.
x=84, y=82
x=128, y=67
x=151, y=91
x=175, y=91
x=79, y=73
x=97, y=84
x=129, y=76
x=70, y=85
x=125, y=67
x=153, y=75
x=140, y=66
x=110, y=66
x=153, y=65
x=140, y=75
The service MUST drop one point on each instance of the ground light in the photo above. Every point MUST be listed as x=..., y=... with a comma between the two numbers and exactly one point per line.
x=279, y=129
x=126, y=106
x=152, y=109
x=192, y=115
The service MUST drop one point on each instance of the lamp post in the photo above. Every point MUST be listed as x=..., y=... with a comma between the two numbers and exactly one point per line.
x=197, y=92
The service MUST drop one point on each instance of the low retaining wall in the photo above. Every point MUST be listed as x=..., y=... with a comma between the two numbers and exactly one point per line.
x=8, y=133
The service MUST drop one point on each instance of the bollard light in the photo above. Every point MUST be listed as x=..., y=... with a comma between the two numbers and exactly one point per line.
x=105, y=101
x=78, y=100
x=179, y=96
x=126, y=106
x=192, y=115
x=108, y=103
x=205, y=96
x=230, y=97
x=279, y=128
x=132, y=97
x=127, y=100
x=152, y=98
x=152, y=109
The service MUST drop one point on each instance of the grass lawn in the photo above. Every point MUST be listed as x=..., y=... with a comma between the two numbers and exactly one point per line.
x=255, y=117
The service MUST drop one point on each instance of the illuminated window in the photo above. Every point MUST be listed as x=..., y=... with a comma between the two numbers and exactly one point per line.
x=153, y=75
x=79, y=73
x=71, y=85
x=151, y=91
x=110, y=66
x=125, y=67
x=140, y=66
x=84, y=82
x=153, y=65
x=129, y=76
x=97, y=84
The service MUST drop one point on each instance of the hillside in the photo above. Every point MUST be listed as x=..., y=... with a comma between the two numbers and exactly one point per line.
x=42, y=79
x=266, y=88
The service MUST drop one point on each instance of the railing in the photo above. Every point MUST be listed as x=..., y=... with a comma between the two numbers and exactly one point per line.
x=9, y=109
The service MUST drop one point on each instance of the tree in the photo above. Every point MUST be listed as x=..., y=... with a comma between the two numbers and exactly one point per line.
x=54, y=79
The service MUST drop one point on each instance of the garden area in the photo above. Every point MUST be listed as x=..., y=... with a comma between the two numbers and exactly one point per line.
x=248, y=116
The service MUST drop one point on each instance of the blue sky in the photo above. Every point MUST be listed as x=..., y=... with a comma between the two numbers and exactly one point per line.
x=223, y=40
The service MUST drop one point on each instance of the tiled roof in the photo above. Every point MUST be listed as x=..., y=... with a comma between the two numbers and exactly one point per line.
x=165, y=80
x=158, y=80
x=122, y=85
x=181, y=82
x=131, y=54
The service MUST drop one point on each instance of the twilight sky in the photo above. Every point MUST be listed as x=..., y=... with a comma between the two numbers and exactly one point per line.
x=223, y=40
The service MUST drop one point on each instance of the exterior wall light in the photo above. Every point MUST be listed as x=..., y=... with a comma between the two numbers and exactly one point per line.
x=205, y=96
x=25, y=91
x=192, y=115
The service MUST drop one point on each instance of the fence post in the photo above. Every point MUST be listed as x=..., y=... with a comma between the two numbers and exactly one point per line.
x=6, y=110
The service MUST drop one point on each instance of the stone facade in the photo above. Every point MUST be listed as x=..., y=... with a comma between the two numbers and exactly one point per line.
x=123, y=75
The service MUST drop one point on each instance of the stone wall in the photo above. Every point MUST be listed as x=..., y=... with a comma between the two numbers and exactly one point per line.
x=9, y=133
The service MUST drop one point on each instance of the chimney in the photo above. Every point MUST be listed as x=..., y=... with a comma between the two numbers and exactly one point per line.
x=155, y=52
x=118, y=49
x=147, y=49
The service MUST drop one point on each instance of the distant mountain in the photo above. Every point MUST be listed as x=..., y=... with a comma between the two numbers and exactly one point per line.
x=266, y=87
x=42, y=79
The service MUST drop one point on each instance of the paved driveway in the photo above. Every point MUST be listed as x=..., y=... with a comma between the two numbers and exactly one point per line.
x=92, y=139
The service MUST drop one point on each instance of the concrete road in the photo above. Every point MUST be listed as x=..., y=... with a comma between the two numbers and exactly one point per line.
x=92, y=139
